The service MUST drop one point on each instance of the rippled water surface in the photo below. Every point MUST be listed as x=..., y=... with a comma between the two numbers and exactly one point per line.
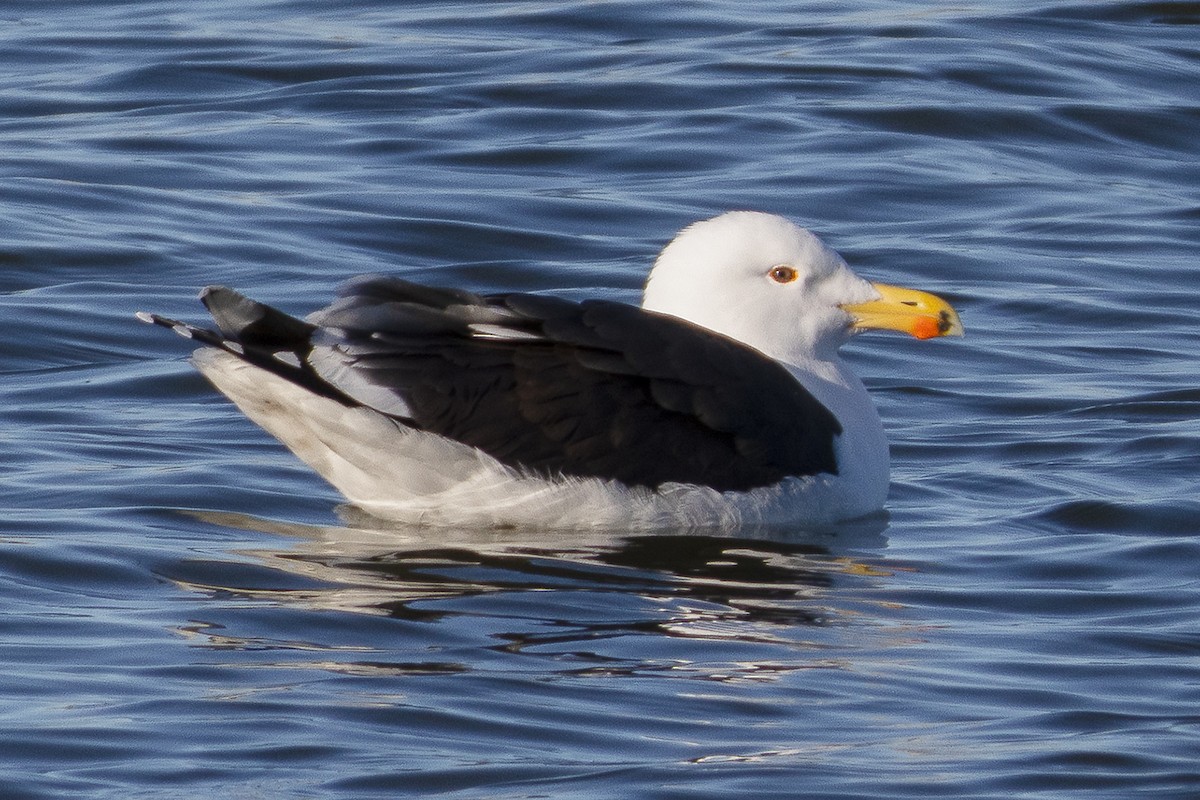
x=188, y=612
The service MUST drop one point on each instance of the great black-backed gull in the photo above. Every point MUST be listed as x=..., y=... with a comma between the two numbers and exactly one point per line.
x=722, y=401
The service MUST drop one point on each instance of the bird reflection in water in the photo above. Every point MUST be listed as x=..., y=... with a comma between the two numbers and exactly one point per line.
x=585, y=598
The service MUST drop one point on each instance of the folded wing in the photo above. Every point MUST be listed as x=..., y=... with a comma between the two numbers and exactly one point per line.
x=551, y=387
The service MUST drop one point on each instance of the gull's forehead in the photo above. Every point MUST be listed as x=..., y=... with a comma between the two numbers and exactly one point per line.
x=758, y=240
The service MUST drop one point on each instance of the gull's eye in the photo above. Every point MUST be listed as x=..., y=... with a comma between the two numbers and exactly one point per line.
x=782, y=274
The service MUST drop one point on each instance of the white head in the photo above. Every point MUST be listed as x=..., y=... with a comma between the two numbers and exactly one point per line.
x=775, y=286
x=762, y=280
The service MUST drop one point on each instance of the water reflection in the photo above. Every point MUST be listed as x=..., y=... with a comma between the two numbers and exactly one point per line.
x=602, y=602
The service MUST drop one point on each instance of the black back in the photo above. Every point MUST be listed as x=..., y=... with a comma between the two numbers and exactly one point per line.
x=552, y=387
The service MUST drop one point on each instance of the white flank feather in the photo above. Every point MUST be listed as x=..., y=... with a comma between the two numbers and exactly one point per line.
x=410, y=476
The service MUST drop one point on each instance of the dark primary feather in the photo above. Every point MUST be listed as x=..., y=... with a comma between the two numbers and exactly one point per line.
x=553, y=387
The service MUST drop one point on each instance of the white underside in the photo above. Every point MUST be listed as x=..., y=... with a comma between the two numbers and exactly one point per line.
x=401, y=474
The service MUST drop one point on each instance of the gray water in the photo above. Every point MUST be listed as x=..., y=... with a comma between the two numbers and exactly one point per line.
x=188, y=612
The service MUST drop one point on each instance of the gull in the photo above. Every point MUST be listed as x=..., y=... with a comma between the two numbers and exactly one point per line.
x=722, y=401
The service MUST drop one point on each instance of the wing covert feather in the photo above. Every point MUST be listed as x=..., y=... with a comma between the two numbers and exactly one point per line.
x=597, y=389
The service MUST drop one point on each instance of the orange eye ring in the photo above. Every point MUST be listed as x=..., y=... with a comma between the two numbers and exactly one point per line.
x=782, y=274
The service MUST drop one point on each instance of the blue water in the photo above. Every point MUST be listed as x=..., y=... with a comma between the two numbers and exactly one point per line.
x=188, y=612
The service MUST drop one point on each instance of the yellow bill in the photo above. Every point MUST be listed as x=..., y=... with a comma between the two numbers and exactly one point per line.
x=916, y=313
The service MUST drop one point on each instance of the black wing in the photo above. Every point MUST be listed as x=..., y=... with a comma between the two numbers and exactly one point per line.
x=552, y=387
